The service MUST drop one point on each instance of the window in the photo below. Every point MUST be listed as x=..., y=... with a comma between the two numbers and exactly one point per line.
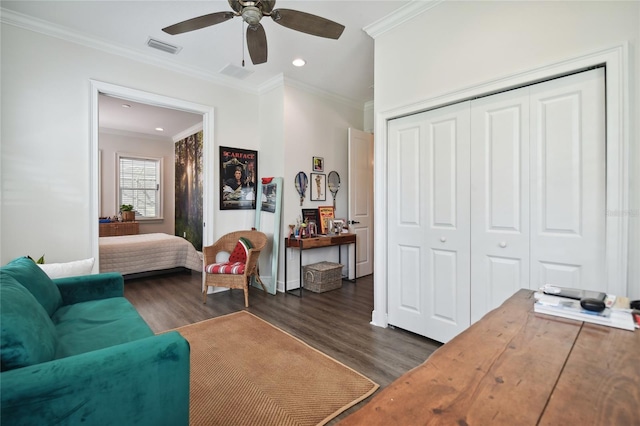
x=139, y=185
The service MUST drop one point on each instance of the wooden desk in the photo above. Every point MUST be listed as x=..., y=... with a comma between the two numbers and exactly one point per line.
x=318, y=242
x=516, y=367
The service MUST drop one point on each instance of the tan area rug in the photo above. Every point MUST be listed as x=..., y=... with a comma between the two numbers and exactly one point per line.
x=245, y=371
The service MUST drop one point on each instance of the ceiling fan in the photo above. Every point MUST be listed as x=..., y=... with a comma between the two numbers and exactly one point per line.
x=252, y=12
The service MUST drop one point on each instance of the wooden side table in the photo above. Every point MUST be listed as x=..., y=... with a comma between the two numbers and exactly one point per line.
x=318, y=242
x=117, y=229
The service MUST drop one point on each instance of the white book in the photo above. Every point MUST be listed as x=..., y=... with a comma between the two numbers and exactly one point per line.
x=571, y=309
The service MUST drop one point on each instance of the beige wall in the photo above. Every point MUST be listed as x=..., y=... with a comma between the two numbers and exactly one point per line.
x=457, y=45
x=112, y=143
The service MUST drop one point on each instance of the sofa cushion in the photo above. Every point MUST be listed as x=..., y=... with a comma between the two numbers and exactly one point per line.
x=27, y=334
x=27, y=273
x=97, y=324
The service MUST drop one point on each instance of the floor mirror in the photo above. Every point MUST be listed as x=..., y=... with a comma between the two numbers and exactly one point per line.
x=268, y=220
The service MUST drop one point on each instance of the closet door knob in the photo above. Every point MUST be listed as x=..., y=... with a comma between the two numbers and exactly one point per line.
x=503, y=244
x=443, y=239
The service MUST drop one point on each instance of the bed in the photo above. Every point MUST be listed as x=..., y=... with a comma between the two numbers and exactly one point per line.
x=134, y=254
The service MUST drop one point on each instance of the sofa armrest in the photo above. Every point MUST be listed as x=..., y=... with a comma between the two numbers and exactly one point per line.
x=90, y=287
x=144, y=382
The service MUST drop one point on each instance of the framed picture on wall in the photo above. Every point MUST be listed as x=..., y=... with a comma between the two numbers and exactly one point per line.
x=238, y=177
x=318, y=164
x=318, y=187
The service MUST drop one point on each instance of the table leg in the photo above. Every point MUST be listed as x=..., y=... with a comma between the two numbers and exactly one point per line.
x=300, y=266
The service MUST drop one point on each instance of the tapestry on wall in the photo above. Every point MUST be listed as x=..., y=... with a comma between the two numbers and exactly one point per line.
x=189, y=189
x=238, y=177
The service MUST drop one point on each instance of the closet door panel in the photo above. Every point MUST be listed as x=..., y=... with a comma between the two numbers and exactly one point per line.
x=499, y=199
x=406, y=222
x=432, y=228
x=568, y=170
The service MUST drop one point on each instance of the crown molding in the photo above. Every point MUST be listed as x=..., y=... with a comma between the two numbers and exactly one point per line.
x=135, y=135
x=30, y=23
x=274, y=82
x=188, y=132
x=281, y=80
x=400, y=16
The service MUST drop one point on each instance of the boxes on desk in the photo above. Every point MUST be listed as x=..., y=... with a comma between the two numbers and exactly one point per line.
x=322, y=276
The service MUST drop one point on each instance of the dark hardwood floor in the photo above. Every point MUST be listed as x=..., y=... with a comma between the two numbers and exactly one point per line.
x=336, y=322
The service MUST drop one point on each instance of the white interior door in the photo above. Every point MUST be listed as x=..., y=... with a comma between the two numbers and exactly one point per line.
x=360, y=209
x=568, y=171
x=499, y=199
x=428, y=213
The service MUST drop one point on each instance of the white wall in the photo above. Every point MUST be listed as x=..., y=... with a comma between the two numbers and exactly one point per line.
x=112, y=143
x=314, y=126
x=45, y=138
x=457, y=45
x=271, y=164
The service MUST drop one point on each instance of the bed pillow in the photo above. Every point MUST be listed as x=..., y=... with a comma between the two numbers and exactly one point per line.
x=68, y=269
x=26, y=272
x=241, y=251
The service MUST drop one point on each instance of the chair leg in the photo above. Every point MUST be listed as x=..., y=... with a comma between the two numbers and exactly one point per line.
x=261, y=283
x=204, y=294
x=246, y=296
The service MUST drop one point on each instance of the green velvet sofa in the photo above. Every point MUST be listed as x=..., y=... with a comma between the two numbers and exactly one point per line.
x=75, y=351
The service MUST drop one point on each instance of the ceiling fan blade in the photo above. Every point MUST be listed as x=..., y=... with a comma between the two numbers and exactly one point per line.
x=235, y=5
x=199, y=22
x=267, y=5
x=257, y=44
x=307, y=23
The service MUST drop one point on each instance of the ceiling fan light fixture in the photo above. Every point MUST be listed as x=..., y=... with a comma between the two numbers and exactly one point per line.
x=251, y=15
x=299, y=62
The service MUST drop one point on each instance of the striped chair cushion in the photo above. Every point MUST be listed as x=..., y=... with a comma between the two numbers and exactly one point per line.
x=235, y=268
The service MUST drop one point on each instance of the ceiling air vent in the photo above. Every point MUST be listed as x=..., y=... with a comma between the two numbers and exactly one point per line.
x=161, y=45
x=236, y=71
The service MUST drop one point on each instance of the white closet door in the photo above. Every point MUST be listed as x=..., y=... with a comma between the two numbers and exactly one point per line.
x=429, y=222
x=568, y=171
x=499, y=199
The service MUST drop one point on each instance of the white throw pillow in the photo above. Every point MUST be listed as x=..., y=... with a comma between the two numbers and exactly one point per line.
x=68, y=269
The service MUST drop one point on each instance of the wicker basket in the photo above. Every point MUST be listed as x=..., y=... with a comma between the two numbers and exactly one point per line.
x=322, y=276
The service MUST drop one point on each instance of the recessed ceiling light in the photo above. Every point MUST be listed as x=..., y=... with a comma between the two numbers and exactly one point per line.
x=299, y=62
x=126, y=106
x=160, y=129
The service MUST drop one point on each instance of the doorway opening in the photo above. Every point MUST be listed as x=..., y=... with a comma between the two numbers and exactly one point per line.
x=146, y=98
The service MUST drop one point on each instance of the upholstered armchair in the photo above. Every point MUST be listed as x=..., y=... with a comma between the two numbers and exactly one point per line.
x=244, y=249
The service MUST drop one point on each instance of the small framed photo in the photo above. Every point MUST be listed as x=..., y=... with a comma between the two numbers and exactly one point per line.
x=309, y=215
x=339, y=226
x=318, y=164
x=318, y=187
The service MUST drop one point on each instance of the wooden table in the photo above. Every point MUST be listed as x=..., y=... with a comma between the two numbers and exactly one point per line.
x=318, y=242
x=517, y=367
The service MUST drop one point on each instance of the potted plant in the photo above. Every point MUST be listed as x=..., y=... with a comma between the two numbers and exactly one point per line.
x=128, y=215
